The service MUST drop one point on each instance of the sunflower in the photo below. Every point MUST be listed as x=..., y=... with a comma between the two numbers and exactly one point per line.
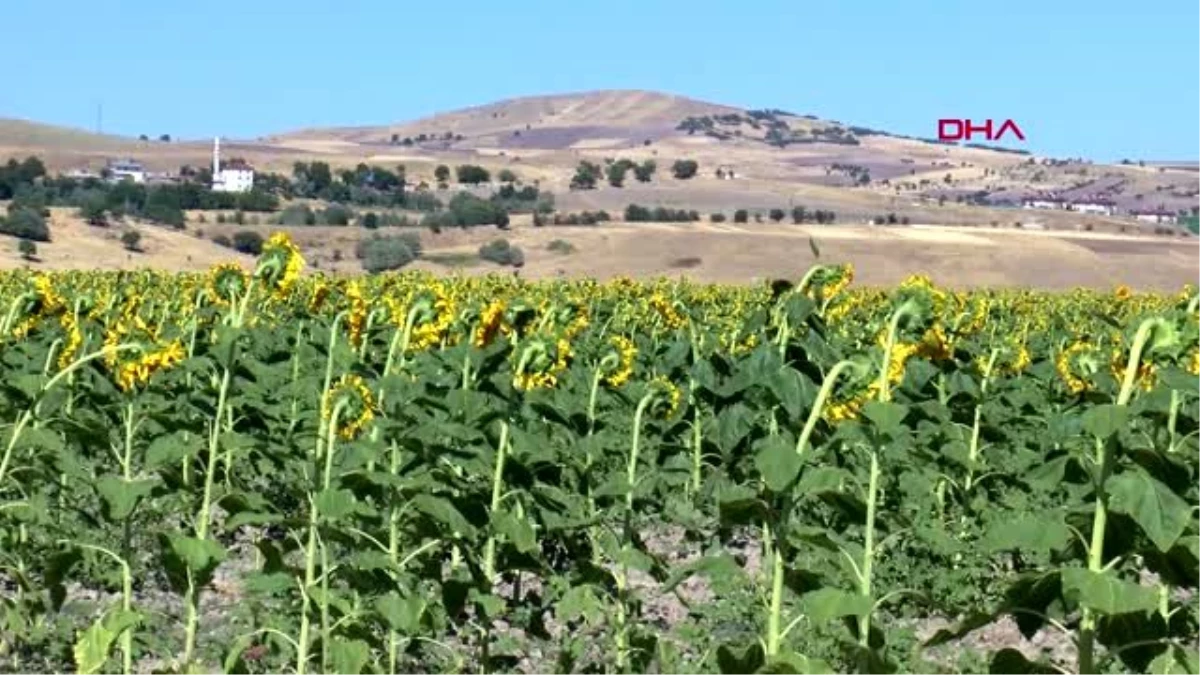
x=1146, y=375
x=626, y=353
x=491, y=324
x=225, y=282
x=280, y=264
x=357, y=318
x=359, y=410
x=667, y=311
x=137, y=372
x=538, y=368
x=70, y=325
x=1075, y=363
x=668, y=405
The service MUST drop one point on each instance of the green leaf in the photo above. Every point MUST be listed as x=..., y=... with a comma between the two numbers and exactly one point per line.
x=1013, y=662
x=197, y=554
x=1029, y=532
x=41, y=438
x=121, y=497
x=402, y=614
x=171, y=449
x=719, y=568
x=92, y=648
x=444, y=511
x=792, y=662
x=579, y=602
x=777, y=462
x=1103, y=421
x=335, y=503
x=348, y=656
x=822, y=479
x=1107, y=594
x=828, y=603
x=887, y=417
x=518, y=531
x=1162, y=514
x=1175, y=661
x=788, y=386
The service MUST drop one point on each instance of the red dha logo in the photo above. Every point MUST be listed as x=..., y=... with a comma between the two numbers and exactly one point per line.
x=961, y=130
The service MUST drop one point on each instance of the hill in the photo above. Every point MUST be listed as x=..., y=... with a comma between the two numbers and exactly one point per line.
x=757, y=160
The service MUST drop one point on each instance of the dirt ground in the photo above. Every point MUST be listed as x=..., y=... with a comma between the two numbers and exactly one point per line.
x=713, y=252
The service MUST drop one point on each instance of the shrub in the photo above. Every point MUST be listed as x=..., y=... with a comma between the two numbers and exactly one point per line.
x=506, y=176
x=472, y=174
x=27, y=249
x=716, y=218
x=741, y=216
x=370, y=220
x=25, y=223
x=388, y=253
x=501, y=252
x=560, y=246
x=165, y=214
x=645, y=171
x=336, y=214
x=248, y=241
x=294, y=214
x=95, y=211
x=586, y=175
x=131, y=239
x=684, y=169
x=776, y=215
x=441, y=174
x=222, y=240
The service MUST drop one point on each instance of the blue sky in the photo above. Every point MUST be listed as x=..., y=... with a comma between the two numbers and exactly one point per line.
x=1098, y=79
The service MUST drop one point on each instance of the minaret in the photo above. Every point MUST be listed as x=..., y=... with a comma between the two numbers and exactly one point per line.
x=216, y=169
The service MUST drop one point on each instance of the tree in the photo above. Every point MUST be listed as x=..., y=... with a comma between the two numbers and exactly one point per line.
x=25, y=223
x=586, y=175
x=143, y=137
x=472, y=174
x=388, y=253
x=131, y=239
x=501, y=252
x=645, y=171
x=617, y=170
x=27, y=249
x=370, y=220
x=248, y=241
x=798, y=215
x=94, y=211
x=441, y=174
x=506, y=176
x=165, y=138
x=741, y=216
x=776, y=215
x=684, y=168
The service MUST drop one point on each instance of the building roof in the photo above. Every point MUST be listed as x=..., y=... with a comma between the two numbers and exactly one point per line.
x=1103, y=201
x=1152, y=212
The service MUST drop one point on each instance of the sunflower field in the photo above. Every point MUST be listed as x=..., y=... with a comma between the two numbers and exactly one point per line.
x=262, y=470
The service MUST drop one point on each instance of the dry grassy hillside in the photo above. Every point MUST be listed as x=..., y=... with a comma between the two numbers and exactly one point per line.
x=542, y=139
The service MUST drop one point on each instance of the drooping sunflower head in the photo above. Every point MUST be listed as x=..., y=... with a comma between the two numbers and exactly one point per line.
x=491, y=323
x=355, y=405
x=356, y=319
x=1077, y=364
x=624, y=354
x=226, y=282
x=541, y=363
x=280, y=264
x=668, y=397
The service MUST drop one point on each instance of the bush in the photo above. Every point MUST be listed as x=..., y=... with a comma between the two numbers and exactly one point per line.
x=27, y=249
x=645, y=171
x=131, y=239
x=741, y=216
x=716, y=218
x=95, y=211
x=501, y=252
x=222, y=240
x=295, y=214
x=586, y=175
x=370, y=221
x=684, y=168
x=26, y=224
x=388, y=253
x=506, y=176
x=472, y=174
x=560, y=246
x=248, y=241
x=776, y=215
x=336, y=214
x=165, y=214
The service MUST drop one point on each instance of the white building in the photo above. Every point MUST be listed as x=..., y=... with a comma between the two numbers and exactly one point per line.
x=1097, y=205
x=1157, y=216
x=126, y=169
x=235, y=176
x=1042, y=202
